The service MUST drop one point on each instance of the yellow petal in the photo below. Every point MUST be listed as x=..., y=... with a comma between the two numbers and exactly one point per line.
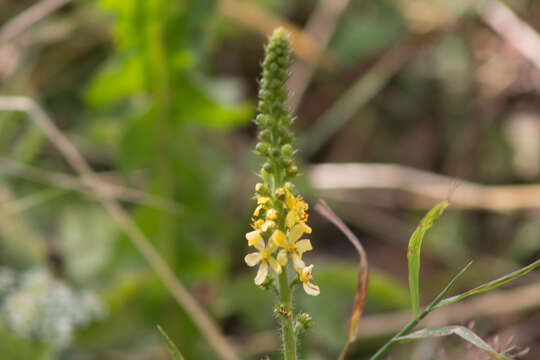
x=295, y=233
x=302, y=246
x=257, y=224
x=262, y=199
x=290, y=200
x=311, y=289
x=255, y=239
x=282, y=257
x=252, y=237
x=271, y=247
x=257, y=210
x=267, y=225
x=307, y=229
x=252, y=259
x=261, y=273
x=298, y=263
x=278, y=238
x=305, y=273
x=290, y=219
x=275, y=265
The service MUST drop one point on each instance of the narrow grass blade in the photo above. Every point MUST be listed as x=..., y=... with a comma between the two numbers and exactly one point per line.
x=363, y=273
x=175, y=353
x=490, y=285
x=413, y=254
x=443, y=293
x=463, y=332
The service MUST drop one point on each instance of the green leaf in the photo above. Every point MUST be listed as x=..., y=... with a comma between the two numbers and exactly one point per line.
x=413, y=254
x=463, y=332
x=490, y=285
x=172, y=347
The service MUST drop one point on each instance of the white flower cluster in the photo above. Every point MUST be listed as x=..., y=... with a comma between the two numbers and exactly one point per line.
x=38, y=306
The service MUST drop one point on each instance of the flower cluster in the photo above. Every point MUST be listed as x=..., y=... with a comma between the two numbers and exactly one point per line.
x=280, y=216
x=38, y=306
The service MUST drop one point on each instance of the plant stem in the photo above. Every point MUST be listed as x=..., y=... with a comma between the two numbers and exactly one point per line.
x=402, y=332
x=344, y=351
x=287, y=333
x=417, y=319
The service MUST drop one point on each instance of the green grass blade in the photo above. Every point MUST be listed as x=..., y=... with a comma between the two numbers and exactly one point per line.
x=172, y=347
x=490, y=285
x=413, y=254
x=463, y=332
x=445, y=291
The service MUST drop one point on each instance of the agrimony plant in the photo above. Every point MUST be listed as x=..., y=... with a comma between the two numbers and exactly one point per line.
x=279, y=219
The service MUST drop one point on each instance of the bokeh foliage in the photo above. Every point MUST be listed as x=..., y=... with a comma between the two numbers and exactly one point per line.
x=158, y=96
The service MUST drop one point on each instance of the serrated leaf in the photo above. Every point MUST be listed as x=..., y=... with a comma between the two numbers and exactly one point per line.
x=413, y=254
x=490, y=285
x=175, y=353
x=461, y=331
x=363, y=273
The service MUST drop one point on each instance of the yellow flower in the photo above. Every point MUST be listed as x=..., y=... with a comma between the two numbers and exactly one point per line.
x=262, y=257
x=261, y=204
x=291, y=245
x=272, y=215
x=305, y=276
x=297, y=210
x=262, y=226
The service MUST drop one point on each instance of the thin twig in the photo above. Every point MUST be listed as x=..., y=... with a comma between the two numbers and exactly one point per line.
x=30, y=201
x=28, y=17
x=202, y=320
x=510, y=27
x=429, y=187
x=65, y=181
x=321, y=26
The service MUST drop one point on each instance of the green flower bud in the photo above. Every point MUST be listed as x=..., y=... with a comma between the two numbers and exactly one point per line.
x=289, y=187
x=287, y=150
x=265, y=135
x=261, y=148
x=305, y=320
x=260, y=120
x=292, y=171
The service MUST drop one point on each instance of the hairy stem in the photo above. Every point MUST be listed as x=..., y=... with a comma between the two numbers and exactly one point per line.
x=287, y=333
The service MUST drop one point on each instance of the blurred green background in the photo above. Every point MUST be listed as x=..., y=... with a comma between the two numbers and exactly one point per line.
x=158, y=96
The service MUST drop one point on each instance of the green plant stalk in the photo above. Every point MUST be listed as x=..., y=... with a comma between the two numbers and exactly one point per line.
x=288, y=338
x=287, y=331
x=402, y=332
x=419, y=318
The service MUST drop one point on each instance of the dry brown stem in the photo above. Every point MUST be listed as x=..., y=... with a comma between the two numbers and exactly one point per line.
x=28, y=17
x=335, y=179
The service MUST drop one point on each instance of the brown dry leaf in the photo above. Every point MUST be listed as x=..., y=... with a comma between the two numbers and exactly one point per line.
x=363, y=273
